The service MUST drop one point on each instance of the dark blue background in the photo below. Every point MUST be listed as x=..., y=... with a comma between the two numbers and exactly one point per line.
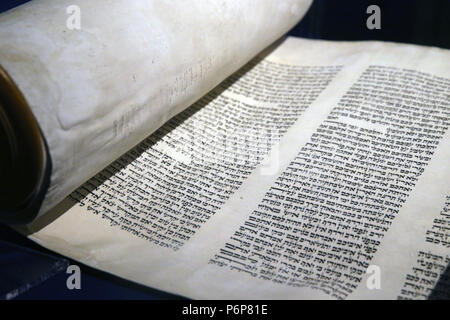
x=425, y=22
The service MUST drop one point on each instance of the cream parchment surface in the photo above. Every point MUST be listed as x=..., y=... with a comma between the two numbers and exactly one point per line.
x=100, y=88
x=88, y=238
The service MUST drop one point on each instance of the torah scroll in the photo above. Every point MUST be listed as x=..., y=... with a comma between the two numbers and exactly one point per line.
x=82, y=82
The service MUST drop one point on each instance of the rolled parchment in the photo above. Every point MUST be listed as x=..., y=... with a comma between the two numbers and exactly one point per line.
x=82, y=82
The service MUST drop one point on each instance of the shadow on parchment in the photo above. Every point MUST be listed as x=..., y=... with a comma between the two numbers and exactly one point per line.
x=441, y=290
x=142, y=147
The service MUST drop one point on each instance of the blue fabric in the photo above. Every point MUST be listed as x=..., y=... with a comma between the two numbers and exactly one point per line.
x=22, y=268
x=41, y=274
